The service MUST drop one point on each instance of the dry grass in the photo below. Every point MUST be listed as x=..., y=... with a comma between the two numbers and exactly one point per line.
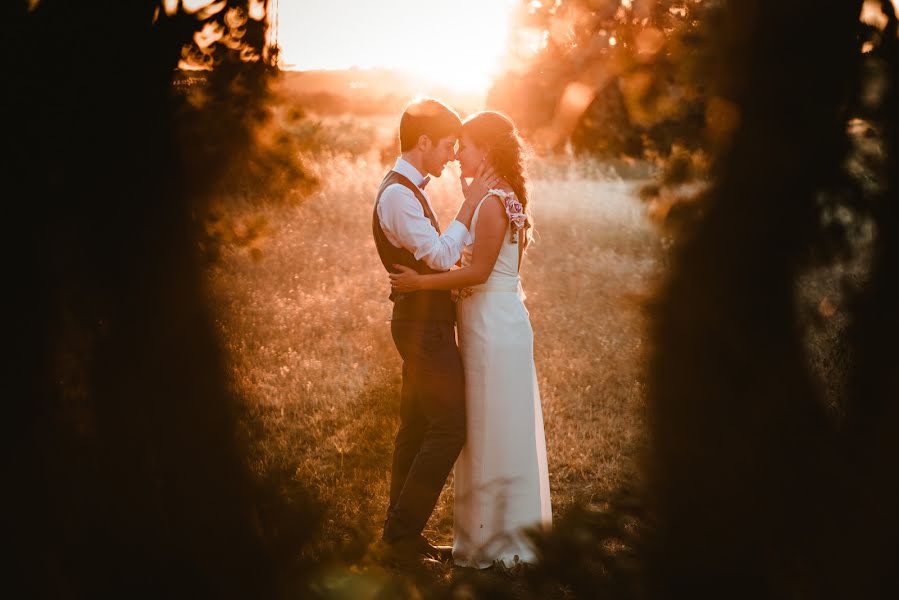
x=307, y=333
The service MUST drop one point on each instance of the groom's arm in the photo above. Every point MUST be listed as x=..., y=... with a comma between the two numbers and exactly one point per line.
x=406, y=226
x=492, y=228
x=465, y=214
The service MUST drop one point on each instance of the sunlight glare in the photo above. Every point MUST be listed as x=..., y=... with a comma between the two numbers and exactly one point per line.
x=873, y=15
x=257, y=9
x=193, y=6
x=457, y=45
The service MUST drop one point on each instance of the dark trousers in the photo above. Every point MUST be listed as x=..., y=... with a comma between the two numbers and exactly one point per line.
x=432, y=423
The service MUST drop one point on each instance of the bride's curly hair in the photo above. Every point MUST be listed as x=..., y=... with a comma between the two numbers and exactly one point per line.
x=505, y=152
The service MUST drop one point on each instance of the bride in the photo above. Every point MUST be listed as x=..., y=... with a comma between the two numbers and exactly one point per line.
x=501, y=479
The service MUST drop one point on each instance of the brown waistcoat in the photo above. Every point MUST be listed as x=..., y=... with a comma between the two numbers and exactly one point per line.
x=424, y=305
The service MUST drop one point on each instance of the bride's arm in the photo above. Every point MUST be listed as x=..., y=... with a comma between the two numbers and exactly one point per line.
x=490, y=233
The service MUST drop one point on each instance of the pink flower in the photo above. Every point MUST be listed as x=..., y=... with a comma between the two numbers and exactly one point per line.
x=515, y=210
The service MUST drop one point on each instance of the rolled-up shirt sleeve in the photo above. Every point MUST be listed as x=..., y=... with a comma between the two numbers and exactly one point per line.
x=406, y=226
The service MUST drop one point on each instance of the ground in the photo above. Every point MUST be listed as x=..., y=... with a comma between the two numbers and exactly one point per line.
x=304, y=316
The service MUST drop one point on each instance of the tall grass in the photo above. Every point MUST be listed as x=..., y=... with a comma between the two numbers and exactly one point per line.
x=304, y=317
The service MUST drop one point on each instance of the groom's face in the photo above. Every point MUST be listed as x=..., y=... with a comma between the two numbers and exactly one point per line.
x=441, y=152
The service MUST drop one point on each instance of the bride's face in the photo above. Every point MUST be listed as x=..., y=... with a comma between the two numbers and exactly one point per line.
x=469, y=156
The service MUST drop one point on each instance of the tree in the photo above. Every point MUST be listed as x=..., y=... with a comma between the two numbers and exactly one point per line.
x=125, y=471
x=612, y=77
x=754, y=485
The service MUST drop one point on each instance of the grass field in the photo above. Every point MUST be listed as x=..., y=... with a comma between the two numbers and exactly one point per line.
x=304, y=319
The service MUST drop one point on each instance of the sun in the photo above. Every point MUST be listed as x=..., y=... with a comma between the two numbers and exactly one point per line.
x=457, y=45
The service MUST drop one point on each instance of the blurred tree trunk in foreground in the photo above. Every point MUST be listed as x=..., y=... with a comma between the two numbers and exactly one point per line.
x=126, y=476
x=756, y=484
x=757, y=490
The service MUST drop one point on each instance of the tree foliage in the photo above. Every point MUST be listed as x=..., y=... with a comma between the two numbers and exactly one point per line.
x=612, y=77
x=756, y=483
x=756, y=486
x=761, y=487
x=125, y=471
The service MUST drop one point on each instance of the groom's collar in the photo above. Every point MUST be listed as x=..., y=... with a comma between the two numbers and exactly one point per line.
x=405, y=168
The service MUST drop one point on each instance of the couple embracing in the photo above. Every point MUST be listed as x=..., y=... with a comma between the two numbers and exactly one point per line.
x=475, y=404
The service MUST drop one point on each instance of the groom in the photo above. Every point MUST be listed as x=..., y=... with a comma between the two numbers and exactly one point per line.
x=432, y=401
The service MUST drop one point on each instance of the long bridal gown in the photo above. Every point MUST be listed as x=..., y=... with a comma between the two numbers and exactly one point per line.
x=501, y=478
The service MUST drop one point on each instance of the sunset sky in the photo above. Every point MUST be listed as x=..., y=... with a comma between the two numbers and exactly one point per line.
x=455, y=43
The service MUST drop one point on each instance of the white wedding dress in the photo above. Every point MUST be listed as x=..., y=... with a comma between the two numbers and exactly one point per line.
x=501, y=478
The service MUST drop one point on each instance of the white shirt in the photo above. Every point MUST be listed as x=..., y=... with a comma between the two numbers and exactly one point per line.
x=406, y=226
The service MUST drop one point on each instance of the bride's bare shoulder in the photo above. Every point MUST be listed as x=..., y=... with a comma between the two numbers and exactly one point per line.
x=495, y=209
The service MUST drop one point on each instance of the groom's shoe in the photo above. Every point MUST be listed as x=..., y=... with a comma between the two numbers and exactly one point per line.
x=411, y=551
x=400, y=556
x=429, y=550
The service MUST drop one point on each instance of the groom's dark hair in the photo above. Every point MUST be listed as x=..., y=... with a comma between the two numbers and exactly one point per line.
x=430, y=117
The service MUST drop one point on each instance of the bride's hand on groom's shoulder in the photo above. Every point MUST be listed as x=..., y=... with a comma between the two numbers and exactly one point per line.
x=406, y=280
x=484, y=179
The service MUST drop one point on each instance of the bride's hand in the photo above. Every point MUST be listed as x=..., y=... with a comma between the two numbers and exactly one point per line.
x=407, y=280
x=484, y=179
